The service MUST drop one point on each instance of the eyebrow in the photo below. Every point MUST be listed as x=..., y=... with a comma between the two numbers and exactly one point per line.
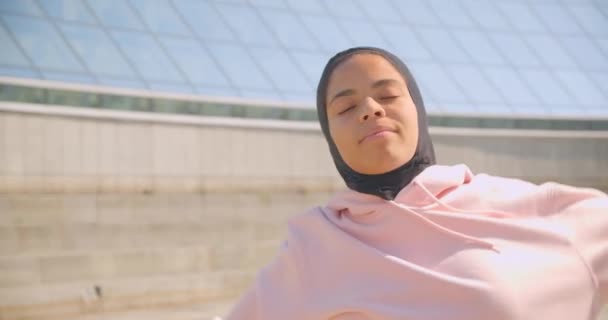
x=375, y=85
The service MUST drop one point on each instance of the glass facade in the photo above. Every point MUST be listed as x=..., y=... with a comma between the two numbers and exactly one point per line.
x=476, y=56
x=253, y=110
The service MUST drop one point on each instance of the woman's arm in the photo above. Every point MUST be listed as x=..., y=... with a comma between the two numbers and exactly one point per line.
x=588, y=218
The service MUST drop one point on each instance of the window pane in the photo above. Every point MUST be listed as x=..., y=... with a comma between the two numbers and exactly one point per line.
x=345, y=9
x=167, y=87
x=117, y=102
x=583, y=90
x=532, y=110
x=224, y=110
x=204, y=19
x=27, y=7
x=70, y=10
x=22, y=94
x=380, y=10
x=493, y=109
x=262, y=95
x=557, y=19
x=160, y=17
x=18, y=72
x=601, y=80
x=458, y=108
x=547, y=87
x=299, y=97
x=486, y=14
x=279, y=4
x=406, y=45
x=194, y=60
x=282, y=71
x=515, y=50
x=308, y=6
x=479, y=47
x=11, y=54
x=239, y=67
x=416, y=12
x=475, y=85
x=431, y=106
x=511, y=85
x=247, y=24
x=115, y=13
x=289, y=29
x=327, y=32
x=71, y=98
x=521, y=17
x=120, y=83
x=441, y=86
x=362, y=33
x=590, y=18
x=311, y=63
x=586, y=53
x=603, y=43
x=428, y=97
x=97, y=50
x=217, y=92
x=232, y=1
x=36, y=36
x=451, y=13
x=550, y=51
x=443, y=45
x=67, y=77
x=147, y=57
x=566, y=111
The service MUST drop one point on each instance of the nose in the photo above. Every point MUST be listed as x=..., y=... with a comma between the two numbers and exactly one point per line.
x=370, y=108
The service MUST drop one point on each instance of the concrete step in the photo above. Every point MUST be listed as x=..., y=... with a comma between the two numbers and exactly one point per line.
x=61, y=301
x=65, y=267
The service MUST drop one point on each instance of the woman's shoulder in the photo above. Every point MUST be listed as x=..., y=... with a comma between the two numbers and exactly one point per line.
x=312, y=222
x=549, y=196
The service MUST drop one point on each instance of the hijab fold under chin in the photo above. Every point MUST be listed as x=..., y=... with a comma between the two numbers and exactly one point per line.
x=385, y=185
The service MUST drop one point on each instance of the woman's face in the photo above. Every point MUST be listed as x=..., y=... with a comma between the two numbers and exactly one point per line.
x=372, y=118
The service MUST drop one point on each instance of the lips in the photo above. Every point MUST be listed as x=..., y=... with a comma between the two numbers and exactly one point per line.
x=376, y=131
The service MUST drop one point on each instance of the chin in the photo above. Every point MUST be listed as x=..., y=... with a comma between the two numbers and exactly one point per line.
x=384, y=164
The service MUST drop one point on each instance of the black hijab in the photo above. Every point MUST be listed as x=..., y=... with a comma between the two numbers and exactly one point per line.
x=385, y=185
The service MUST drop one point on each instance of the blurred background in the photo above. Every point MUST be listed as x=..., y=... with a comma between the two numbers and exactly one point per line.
x=152, y=150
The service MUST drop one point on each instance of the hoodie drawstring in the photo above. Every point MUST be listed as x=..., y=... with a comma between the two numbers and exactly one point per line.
x=493, y=213
x=447, y=231
x=440, y=228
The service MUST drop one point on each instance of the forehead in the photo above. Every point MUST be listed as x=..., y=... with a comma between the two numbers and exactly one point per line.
x=362, y=69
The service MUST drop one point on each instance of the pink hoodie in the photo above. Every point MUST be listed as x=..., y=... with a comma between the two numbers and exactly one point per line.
x=452, y=245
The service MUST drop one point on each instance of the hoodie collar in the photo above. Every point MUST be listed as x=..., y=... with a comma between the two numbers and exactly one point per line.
x=430, y=185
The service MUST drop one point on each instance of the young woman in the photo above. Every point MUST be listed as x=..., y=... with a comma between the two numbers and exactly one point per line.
x=414, y=240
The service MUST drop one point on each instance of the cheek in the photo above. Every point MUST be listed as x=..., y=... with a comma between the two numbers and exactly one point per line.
x=337, y=134
x=408, y=119
x=342, y=137
x=411, y=128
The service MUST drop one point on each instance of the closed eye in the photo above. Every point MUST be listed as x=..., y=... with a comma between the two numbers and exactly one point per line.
x=388, y=98
x=347, y=109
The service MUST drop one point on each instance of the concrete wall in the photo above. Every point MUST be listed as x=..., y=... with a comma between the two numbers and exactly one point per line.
x=42, y=153
x=86, y=152
x=161, y=211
